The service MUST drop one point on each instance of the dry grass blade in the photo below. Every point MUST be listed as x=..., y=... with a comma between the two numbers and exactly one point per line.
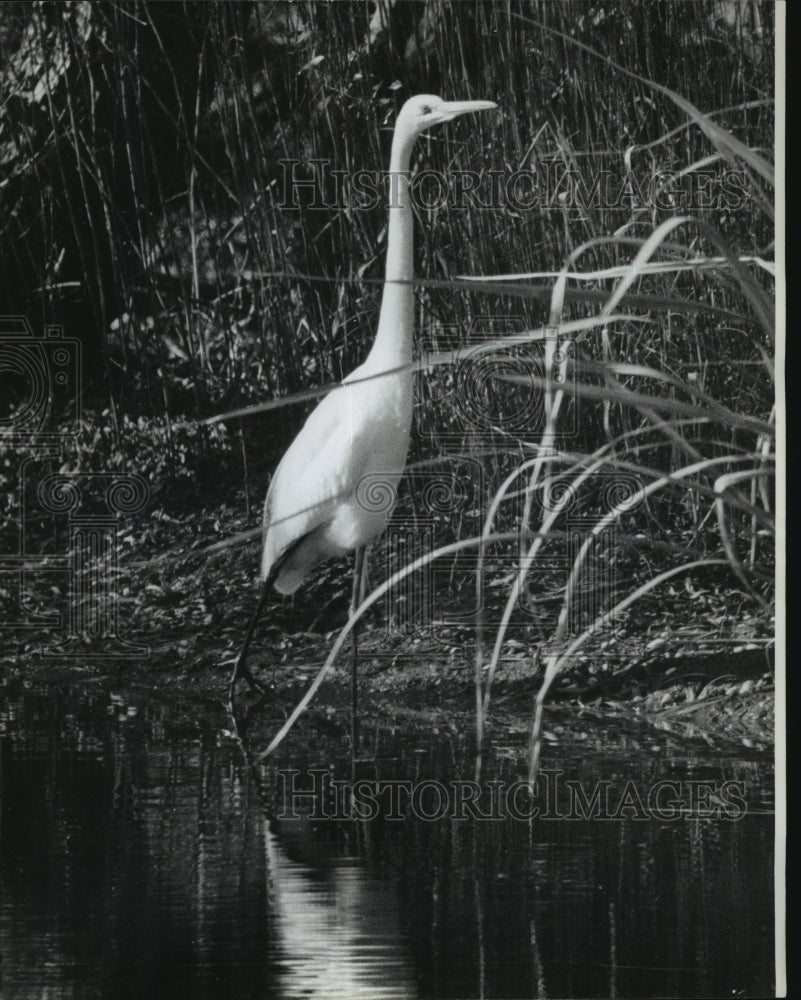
x=663, y=403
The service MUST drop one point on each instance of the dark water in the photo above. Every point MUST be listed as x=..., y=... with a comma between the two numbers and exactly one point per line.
x=137, y=859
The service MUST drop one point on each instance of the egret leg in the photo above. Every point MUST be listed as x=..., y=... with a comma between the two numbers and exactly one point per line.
x=240, y=667
x=355, y=601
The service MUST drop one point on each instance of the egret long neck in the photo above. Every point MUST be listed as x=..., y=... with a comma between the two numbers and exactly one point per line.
x=394, y=339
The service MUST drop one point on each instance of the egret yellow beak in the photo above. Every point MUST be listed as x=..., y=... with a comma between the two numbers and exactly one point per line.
x=450, y=109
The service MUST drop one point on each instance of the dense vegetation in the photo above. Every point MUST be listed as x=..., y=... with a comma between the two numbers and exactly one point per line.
x=600, y=404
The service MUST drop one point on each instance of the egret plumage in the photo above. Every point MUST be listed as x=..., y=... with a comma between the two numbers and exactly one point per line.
x=359, y=432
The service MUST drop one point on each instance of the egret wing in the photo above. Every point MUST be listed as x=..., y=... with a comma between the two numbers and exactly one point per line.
x=318, y=471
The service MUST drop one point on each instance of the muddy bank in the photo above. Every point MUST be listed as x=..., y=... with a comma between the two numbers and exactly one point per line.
x=697, y=660
x=726, y=698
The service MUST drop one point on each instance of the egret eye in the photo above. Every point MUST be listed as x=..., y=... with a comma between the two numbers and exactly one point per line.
x=427, y=109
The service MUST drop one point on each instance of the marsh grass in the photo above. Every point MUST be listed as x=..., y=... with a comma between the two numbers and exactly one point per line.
x=142, y=146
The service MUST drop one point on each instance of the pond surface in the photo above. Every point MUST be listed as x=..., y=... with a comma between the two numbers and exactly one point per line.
x=141, y=857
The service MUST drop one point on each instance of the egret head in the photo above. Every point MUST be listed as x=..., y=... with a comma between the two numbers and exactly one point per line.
x=424, y=110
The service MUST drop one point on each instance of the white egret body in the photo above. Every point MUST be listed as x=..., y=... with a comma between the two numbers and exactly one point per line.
x=358, y=435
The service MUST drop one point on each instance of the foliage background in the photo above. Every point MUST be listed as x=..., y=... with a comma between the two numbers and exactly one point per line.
x=141, y=188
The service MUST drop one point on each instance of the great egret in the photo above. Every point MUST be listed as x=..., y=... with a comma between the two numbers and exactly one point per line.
x=359, y=432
